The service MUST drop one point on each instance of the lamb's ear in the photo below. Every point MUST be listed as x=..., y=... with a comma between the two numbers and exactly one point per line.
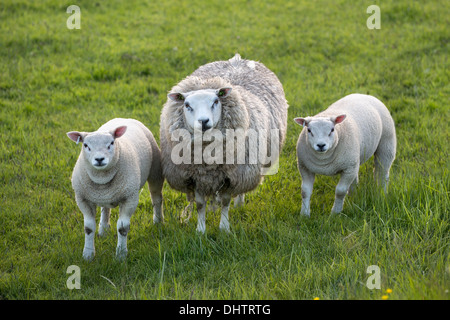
x=76, y=136
x=119, y=131
x=223, y=92
x=338, y=119
x=176, y=96
x=302, y=121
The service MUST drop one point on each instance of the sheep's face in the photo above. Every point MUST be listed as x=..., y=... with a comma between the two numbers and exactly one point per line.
x=98, y=147
x=321, y=134
x=202, y=108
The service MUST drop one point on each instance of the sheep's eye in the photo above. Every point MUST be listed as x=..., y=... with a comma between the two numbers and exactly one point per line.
x=309, y=130
x=111, y=144
x=216, y=101
x=188, y=107
x=87, y=147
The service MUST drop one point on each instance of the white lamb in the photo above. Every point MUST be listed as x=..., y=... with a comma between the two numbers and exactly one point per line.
x=341, y=138
x=114, y=164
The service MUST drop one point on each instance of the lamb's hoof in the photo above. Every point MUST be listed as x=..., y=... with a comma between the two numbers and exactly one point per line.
x=201, y=229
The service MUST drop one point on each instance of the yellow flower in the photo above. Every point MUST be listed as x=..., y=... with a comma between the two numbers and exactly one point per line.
x=316, y=298
x=385, y=297
x=388, y=290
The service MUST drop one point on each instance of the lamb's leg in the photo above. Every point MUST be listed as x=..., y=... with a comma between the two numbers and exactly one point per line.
x=383, y=159
x=155, y=183
x=353, y=186
x=104, y=225
x=307, y=188
x=239, y=201
x=88, y=210
x=201, y=209
x=126, y=210
x=155, y=188
x=347, y=178
x=225, y=200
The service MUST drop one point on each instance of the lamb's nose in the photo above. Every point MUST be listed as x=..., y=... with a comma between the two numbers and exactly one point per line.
x=204, y=123
x=99, y=160
x=321, y=146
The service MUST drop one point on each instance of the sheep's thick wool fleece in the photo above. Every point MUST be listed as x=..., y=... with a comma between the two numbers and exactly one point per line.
x=135, y=153
x=257, y=102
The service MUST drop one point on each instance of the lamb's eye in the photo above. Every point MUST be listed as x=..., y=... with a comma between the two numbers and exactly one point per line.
x=188, y=107
x=87, y=147
x=309, y=130
x=111, y=144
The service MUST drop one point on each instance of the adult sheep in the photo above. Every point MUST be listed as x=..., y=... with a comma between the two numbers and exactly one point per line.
x=340, y=139
x=236, y=102
x=114, y=164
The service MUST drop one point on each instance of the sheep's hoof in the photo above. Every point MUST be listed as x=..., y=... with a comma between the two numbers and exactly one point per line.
x=201, y=229
x=305, y=213
x=157, y=219
x=88, y=254
x=103, y=230
x=224, y=228
x=336, y=211
x=121, y=254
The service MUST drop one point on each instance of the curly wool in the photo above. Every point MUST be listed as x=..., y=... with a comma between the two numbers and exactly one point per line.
x=257, y=102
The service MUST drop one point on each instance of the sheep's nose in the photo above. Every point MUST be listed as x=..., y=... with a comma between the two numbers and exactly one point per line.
x=99, y=160
x=204, y=123
x=321, y=146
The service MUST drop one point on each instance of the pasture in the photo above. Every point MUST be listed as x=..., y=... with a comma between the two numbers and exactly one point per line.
x=122, y=63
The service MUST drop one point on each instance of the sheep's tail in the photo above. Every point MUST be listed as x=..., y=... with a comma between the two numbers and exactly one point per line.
x=235, y=60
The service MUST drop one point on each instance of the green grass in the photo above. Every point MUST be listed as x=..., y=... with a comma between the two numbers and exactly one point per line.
x=122, y=63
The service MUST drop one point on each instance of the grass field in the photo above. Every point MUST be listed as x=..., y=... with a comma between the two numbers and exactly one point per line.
x=123, y=61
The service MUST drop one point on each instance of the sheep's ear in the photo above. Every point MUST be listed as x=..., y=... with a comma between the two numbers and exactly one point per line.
x=176, y=96
x=338, y=119
x=120, y=131
x=301, y=121
x=223, y=92
x=76, y=136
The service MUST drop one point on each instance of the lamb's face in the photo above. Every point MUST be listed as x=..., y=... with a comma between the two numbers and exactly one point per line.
x=321, y=133
x=202, y=108
x=99, y=149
